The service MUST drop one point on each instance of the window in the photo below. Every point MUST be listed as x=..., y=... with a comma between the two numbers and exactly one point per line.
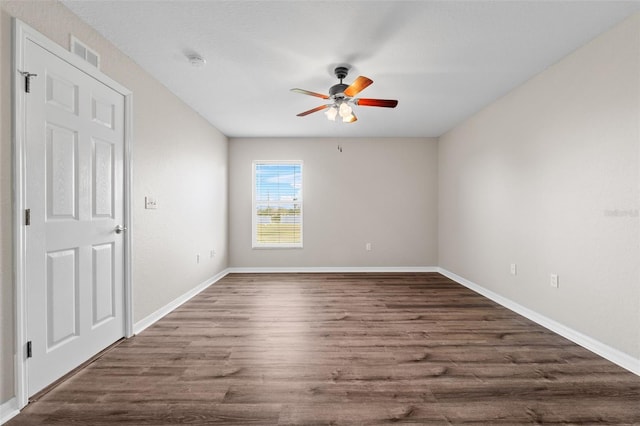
x=277, y=204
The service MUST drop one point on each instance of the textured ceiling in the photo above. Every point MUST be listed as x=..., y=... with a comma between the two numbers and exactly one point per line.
x=443, y=60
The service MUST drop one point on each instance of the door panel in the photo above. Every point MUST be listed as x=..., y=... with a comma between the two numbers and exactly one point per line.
x=103, y=162
x=62, y=176
x=62, y=93
x=103, y=112
x=62, y=295
x=74, y=188
x=103, y=283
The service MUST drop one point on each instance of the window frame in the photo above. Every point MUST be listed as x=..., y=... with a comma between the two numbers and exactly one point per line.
x=254, y=214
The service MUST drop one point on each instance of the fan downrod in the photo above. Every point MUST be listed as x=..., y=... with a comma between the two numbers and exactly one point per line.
x=336, y=91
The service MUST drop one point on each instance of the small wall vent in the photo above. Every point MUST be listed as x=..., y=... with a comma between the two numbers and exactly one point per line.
x=85, y=52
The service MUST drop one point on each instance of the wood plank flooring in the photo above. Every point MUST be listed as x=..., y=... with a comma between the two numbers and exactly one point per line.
x=320, y=349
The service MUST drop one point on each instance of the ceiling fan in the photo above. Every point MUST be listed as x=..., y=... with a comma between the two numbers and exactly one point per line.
x=342, y=98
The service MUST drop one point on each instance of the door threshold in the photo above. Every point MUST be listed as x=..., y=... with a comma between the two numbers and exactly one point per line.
x=52, y=386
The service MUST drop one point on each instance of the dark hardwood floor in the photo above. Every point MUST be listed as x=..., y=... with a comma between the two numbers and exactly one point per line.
x=342, y=349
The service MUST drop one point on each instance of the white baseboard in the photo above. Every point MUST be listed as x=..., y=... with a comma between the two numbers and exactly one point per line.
x=333, y=269
x=150, y=319
x=622, y=359
x=8, y=410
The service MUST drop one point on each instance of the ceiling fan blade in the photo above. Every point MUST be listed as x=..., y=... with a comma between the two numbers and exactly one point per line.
x=316, y=109
x=306, y=92
x=386, y=103
x=357, y=86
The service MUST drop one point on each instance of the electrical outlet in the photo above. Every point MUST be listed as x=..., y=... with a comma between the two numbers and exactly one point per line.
x=150, y=203
x=553, y=280
x=367, y=247
x=197, y=258
x=212, y=253
x=514, y=269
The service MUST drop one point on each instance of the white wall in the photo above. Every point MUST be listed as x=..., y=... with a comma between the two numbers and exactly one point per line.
x=382, y=191
x=536, y=179
x=178, y=157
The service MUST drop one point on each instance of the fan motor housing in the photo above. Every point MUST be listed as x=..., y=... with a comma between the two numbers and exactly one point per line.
x=337, y=89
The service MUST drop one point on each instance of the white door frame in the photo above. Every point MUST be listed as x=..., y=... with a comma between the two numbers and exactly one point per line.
x=22, y=33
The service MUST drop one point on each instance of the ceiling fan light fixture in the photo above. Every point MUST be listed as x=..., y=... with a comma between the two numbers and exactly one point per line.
x=345, y=110
x=331, y=113
x=349, y=118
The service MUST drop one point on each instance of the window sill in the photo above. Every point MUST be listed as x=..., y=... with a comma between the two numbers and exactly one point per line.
x=284, y=247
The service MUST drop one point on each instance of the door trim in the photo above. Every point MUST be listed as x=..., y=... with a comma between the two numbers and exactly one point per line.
x=22, y=34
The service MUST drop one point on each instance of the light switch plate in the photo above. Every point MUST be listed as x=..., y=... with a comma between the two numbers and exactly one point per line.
x=150, y=203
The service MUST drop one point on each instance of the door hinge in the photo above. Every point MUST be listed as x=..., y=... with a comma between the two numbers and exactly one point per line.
x=29, y=350
x=27, y=80
x=27, y=217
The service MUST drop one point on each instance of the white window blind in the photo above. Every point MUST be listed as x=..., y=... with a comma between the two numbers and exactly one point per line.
x=277, y=204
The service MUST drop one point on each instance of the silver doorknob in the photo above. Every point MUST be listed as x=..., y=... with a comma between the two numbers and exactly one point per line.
x=120, y=229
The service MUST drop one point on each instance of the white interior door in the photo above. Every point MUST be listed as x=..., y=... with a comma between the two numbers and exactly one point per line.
x=74, y=192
